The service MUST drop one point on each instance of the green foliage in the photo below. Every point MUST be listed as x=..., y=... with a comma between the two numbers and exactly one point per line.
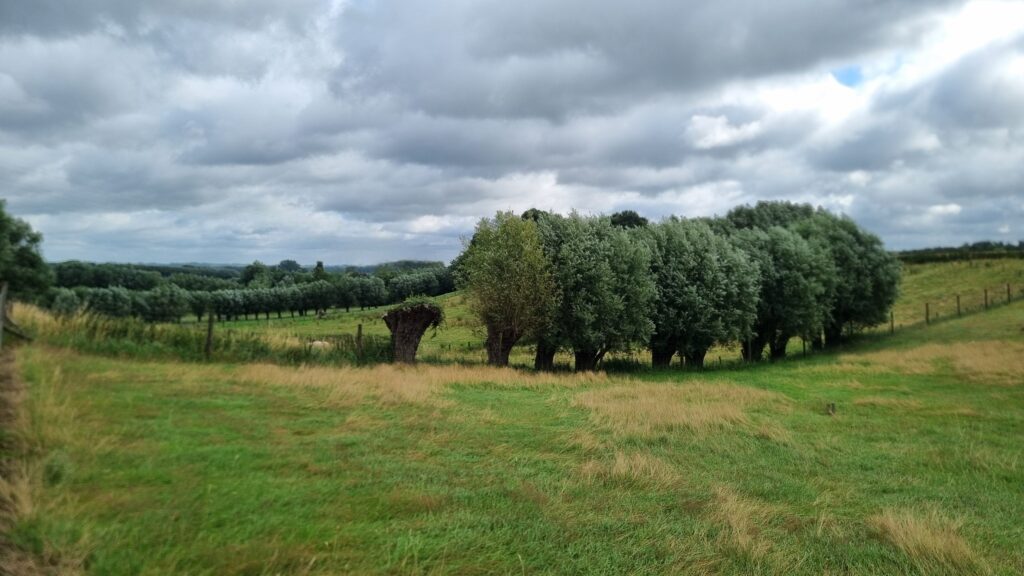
x=628, y=219
x=604, y=286
x=508, y=281
x=21, y=264
x=289, y=266
x=66, y=302
x=795, y=287
x=862, y=278
x=74, y=274
x=319, y=273
x=707, y=290
x=425, y=302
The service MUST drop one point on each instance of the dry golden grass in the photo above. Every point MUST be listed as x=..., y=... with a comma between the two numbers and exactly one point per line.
x=995, y=362
x=31, y=427
x=774, y=432
x=931, y=541
x=636, y=467
x=884, y=402
x=392, y=384
x=741, y=520
x=649, y=410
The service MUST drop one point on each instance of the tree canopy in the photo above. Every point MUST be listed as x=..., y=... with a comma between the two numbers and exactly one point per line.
x=21, y=263
x=508, y=282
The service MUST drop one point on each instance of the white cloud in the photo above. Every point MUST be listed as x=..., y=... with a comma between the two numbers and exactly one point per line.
x=355, y=131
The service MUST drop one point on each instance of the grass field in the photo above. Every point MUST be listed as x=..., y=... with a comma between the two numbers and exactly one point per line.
x=135, y=467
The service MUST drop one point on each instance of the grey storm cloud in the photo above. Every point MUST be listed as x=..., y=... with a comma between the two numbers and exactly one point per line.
x=360, y=130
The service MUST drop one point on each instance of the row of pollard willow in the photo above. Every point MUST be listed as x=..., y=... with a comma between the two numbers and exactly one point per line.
x=406, y=353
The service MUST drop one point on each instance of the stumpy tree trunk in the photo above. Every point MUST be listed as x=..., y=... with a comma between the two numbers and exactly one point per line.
x=545, y=357
x=695, y=357
x=834, y=333
x=753, y=349
x=407, y=327
x=777, y=347
x=586, y=360
x=662, y=351
x=499, y=345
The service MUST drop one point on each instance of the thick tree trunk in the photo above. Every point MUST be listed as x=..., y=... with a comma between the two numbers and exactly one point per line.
x=662, y=351
x=499, y=345
x=753, y=349
x=695, y=357
x=586, y=360
x=833, y=334
x=777, y=347
x=545, y=357
x=661, y=356
x=407, y=326
x=817, y=343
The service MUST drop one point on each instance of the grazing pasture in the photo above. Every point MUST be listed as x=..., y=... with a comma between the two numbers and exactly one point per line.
x=158, y=467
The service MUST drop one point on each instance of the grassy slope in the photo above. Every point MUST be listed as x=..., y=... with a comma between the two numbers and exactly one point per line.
x=159, y=468
x=939, y=283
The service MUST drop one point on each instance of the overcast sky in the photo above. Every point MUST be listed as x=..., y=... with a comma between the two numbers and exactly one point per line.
x=358, y=131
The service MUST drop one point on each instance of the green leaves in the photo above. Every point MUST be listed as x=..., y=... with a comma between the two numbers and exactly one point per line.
x=508, y=281
x=21, y=264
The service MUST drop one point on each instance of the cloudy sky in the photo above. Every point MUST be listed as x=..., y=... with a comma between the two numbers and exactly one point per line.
x=363, y=130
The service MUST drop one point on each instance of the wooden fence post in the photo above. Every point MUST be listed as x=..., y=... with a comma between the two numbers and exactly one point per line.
x=927, y=313
x=359, y=342
x=3, y=312
x=208, y=348
x=892, y=322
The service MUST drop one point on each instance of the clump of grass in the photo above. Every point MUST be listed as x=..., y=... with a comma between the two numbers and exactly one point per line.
x=650, y=410
x=931, y=542
x=741, y=521
x=631, y=468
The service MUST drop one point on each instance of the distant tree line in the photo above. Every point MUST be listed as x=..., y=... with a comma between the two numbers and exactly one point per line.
x=120, y=290
x=971, y=251
x=759, y=276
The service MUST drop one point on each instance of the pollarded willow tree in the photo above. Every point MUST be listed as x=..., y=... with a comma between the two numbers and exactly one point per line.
x=865, y=277
x=707, y=291
x=795, y=288
x=508, y=282
x=605, y=289
x=408, y=322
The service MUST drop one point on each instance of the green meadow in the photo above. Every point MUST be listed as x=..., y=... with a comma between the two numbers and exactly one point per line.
x=160, y=466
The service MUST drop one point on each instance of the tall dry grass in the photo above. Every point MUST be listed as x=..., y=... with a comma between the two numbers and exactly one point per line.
x=649, y=410
x=632, y=467
x=930, y=540
x=134, y=338
x=740, y=520
x=36, y=425
x=994, y=362
x=392, y=384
